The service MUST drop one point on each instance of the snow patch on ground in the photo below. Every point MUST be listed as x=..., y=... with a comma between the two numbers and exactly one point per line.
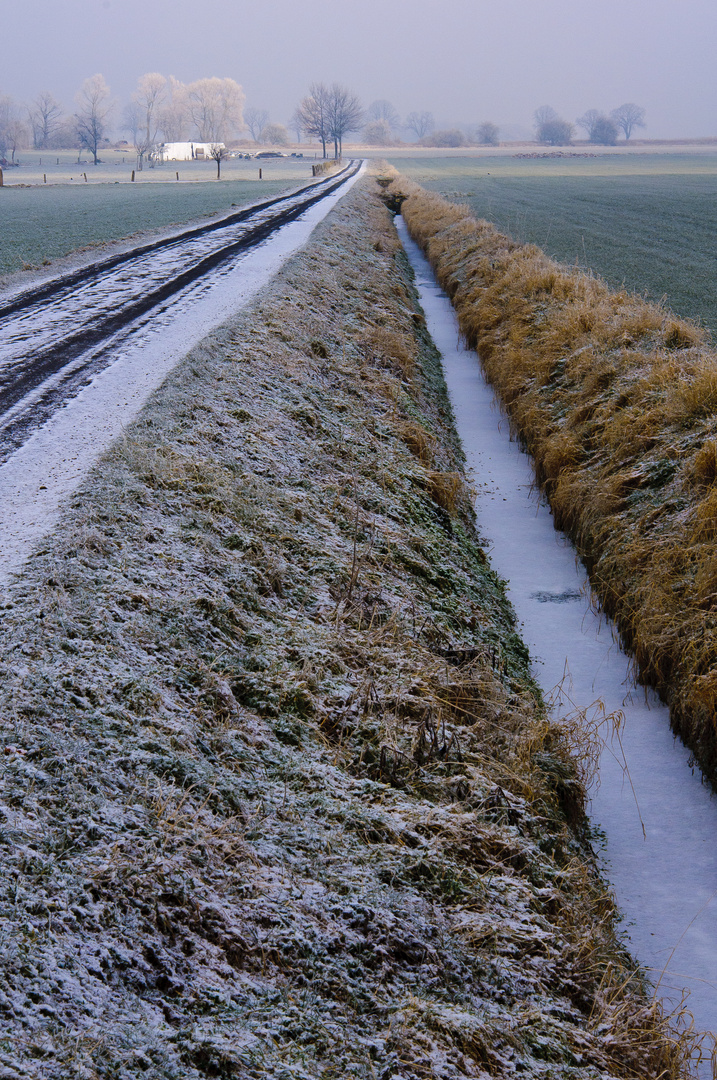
x=51, y=464
x=665, y=881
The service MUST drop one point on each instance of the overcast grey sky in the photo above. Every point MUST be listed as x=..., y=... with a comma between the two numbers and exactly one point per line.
x=465, y=60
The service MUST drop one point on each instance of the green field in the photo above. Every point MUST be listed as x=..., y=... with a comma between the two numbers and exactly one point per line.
x=38, y=224
x=645, y=221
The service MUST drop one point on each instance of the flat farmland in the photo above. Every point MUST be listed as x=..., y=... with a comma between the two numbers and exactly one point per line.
x=647, y=222
x=41, y=223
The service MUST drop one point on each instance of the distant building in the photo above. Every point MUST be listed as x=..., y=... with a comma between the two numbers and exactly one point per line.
x=185, y=151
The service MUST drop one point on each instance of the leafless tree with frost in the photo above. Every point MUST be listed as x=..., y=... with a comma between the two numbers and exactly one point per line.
x=94, y=107
x=45, y=114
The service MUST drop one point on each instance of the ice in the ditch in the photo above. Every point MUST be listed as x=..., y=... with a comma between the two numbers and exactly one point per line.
x=665, y=878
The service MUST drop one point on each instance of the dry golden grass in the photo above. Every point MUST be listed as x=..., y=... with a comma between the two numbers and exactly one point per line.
x=615, y=398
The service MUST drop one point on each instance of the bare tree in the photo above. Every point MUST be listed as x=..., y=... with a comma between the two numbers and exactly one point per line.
x=274, y=135
x=147, y=101
x=605, y=131
x=45, y=114
x=600, y=129
x=17, y=137
x=488, y=134
x=377, y=133
x=12, y=130
x=313, y=112
x=174, y=113
x=345, y=115
x=132, y=124
x=627, y=117
x=420, y=123
x=383, y=110
x=94, y=107
x=296, y=124
x=256, y=120
x=218, y=152
x=545, y=114
x=215, y=106
x=550, y=129
x=445, y=137
x=587, y=121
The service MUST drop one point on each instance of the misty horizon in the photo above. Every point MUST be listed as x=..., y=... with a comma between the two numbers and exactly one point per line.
x=464, y=62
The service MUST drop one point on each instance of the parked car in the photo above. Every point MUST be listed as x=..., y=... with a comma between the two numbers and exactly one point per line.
x=270, y=153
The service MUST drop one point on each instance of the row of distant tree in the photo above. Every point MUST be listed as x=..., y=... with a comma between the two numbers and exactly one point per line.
x=603, y=129
x=211, y=110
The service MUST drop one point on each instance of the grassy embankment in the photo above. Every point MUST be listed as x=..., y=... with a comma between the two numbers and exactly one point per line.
x=615, y=399
x=279, y=798
x=645, y=222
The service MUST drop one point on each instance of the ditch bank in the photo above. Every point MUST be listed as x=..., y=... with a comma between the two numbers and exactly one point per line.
x=615, y=399
x=279, y=796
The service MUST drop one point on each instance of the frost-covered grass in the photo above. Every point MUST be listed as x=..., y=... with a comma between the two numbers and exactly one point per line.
x=40, y=166
x=646, y=222
x=279, y=795
x=40, y=224
x=616, y=400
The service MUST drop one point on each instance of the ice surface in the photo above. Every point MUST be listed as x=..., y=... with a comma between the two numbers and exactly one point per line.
x=665, y=882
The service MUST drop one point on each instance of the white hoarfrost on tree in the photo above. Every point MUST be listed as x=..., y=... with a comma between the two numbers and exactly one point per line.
x=174, y=113
x=13, y=133
x=94, y=107
x=144, y=111
x=215, y=106
x=628, y=117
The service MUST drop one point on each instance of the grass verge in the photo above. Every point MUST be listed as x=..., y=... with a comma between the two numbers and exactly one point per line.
x=279, y=796
x=615, y=398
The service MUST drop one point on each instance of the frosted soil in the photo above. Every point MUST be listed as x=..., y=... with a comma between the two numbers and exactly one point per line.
x=53, y=461
x=665, y=881
x=278, y=796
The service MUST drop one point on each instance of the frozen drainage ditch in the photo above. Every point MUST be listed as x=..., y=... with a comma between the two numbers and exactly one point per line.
x=657, y=819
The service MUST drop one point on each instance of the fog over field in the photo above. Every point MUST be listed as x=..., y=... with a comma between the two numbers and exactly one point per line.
x=464, y=60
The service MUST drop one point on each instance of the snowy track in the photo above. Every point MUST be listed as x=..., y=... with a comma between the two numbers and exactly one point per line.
x=80, y=355
x=56, y=336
